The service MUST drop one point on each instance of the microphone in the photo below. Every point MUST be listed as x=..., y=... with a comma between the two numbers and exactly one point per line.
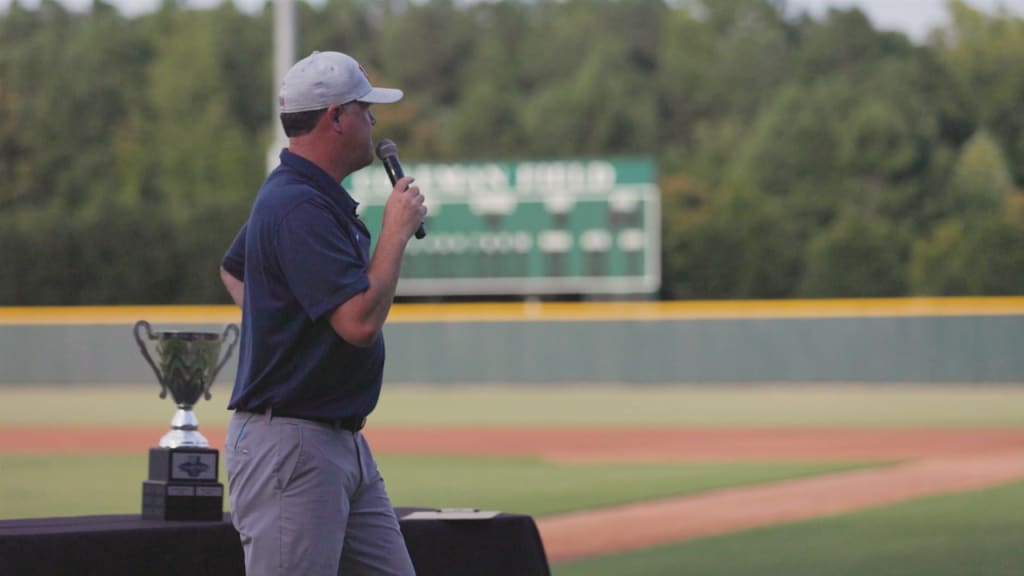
x=387, y=151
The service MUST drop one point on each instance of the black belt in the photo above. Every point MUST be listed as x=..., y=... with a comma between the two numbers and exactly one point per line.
x=352, y=423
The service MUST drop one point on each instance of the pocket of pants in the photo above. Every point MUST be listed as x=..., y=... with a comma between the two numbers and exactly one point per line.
x=287, y=454
x=236, y=444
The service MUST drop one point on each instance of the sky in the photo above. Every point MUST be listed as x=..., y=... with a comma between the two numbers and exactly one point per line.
x=913, y=17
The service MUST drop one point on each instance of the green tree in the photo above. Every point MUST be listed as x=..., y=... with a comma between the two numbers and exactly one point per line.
x=844, y=43
x=996, y=262
x=209, y=165
x=205, y=157
x=432, y=75
x=857, y=256
x=938, y=264
x=980, y=51
x=981, y=180
x=721, y=60
x=793, y=150
x=74, y=76
x=743, y=247
x=603, y=108
x=487, y=122
x=983, y=256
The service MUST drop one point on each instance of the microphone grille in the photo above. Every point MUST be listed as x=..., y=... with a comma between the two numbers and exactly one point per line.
x=386, y=148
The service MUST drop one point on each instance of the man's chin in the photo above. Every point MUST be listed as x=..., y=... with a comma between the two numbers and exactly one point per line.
x=357, y=164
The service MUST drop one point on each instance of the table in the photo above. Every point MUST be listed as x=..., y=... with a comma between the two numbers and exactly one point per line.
x=113, y=545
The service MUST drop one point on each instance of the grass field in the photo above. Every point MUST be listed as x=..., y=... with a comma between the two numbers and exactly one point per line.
x=970, y=533
x=41, y=486
x=978, y=533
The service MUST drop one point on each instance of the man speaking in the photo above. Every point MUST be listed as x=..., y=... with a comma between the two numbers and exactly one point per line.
x=306, y=495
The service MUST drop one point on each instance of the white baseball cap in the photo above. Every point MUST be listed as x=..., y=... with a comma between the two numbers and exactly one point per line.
x=325, y=78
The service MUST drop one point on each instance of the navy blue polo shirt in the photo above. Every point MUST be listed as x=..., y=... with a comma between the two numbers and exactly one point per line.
x=302, y=254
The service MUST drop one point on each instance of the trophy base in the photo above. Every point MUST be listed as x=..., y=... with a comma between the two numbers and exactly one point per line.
x=182, y=485
x=180, y=501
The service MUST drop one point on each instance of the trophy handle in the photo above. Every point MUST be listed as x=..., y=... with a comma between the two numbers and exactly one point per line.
x=231, y=328
x=145, y=353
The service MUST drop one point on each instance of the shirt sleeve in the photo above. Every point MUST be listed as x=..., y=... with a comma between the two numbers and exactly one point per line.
x=321, y=263
x=234, y=258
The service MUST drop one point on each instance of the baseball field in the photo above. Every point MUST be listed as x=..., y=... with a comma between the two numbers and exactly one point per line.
x=639, y=480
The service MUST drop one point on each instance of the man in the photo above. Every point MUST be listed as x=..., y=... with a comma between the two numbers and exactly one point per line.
x=306, y=496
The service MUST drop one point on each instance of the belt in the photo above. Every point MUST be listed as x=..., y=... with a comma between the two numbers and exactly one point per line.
x=352, y=423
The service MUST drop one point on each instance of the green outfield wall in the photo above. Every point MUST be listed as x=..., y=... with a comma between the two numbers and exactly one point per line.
x=900, y=340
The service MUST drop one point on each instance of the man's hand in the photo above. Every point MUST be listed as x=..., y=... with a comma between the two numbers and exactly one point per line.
x=404, y=210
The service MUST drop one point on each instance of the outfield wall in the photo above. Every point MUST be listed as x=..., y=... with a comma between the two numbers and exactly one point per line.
x=958, y=340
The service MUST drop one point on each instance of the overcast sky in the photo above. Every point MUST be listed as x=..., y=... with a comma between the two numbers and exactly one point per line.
x=914, y=17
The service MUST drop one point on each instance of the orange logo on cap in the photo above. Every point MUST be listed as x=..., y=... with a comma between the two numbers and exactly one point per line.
x=363, y=70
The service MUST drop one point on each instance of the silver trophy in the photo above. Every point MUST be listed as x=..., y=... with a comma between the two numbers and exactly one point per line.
x=188, y=364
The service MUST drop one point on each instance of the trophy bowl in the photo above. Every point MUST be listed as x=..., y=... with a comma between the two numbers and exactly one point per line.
x=186, y=365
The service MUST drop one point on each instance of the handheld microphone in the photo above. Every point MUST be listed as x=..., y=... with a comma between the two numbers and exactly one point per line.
x=387, y=151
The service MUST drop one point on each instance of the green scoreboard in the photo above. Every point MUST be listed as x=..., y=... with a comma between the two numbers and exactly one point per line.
x=580, y=226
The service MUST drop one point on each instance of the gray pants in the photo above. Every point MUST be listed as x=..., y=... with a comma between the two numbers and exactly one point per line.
x=308, y=499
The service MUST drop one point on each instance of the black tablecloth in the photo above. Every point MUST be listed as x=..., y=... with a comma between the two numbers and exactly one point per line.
x=128, y=545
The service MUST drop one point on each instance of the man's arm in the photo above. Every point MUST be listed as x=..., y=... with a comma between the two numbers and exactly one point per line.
x=235, y=287
x=360, y=319
x=232, y=267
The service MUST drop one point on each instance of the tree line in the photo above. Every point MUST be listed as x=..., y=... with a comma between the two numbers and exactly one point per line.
x=798, y=156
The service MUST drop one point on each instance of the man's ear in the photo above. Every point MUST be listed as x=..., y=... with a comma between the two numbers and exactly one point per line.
x=336, y=118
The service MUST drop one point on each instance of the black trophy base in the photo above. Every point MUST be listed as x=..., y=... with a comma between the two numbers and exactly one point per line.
x=182, y=501
x=188, y=464
x=183, y=485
